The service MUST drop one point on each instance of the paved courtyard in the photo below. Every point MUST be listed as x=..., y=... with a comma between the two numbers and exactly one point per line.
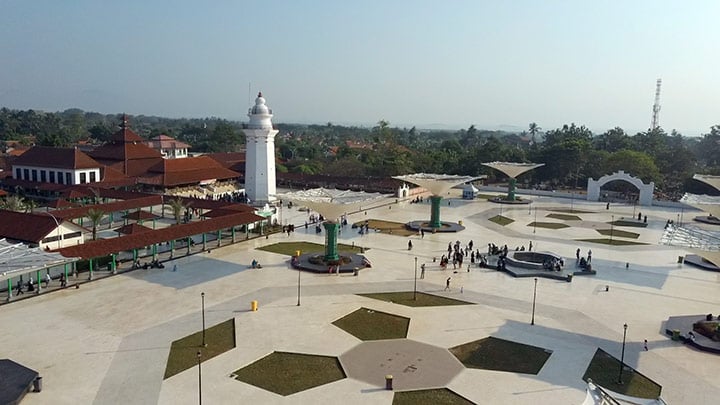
x=108, y=341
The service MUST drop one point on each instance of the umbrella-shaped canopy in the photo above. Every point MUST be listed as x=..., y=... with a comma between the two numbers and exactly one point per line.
x=707, y=179
x=437, y=184
x=332, y=203
x=513, y=169
x=706, y=203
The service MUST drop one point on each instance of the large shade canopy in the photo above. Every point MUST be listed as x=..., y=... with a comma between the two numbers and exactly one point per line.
x=706, y=203
x=18, y=259
x=332, y=203
x=513, y=169
x=437, y=184
x=707, y=179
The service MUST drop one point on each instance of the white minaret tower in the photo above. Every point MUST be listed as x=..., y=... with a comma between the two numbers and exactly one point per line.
x=260, y=154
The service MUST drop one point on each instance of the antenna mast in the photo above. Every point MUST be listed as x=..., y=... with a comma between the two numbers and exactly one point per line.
x=656, y=107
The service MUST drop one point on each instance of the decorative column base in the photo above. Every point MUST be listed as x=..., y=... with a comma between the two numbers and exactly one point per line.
x=435, y=211
x=331, y=233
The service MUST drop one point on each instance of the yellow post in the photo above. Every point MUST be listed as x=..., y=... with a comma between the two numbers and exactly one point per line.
x=254, y=305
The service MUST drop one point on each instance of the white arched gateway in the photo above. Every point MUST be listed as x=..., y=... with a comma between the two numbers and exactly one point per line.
x=646, y=190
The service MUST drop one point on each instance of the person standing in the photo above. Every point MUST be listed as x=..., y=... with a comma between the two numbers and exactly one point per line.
x=577, y=254
x=530, y=247
x=48, y=279
x=589, y=255
x=19, y=288
x=645, y=345
x=422, y=271
x=447, y=284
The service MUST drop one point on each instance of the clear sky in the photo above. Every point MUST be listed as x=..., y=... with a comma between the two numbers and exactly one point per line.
x=455, y=63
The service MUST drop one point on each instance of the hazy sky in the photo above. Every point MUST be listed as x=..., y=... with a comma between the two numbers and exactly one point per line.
x=455, y=63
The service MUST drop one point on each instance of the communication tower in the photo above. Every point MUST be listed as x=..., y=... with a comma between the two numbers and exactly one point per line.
x=656, y=107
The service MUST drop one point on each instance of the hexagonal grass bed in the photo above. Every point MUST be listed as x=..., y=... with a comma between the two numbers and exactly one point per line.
x=183, y=352
x=618, y=233
x=429, y=397
x=287, y=373
x=502, y=355
x=289, y=248
x=549, y=225
x=604, y=370
x=388, y=227
x=407, y=298
x=368, y=324
x=564, y=217
x=501, y=220
x=613, y=242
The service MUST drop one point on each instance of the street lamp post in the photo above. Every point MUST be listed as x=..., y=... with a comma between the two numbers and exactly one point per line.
x=199, y=360
x=612, y=220
x=532, y=321
x=202, y=298
x=535, y=222
x=622, y=355
x=415, y=284
x=298, y=270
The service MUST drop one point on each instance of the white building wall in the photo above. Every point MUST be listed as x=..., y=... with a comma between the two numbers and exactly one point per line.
x=74, y=174
x=260, y=178
x=67, y=235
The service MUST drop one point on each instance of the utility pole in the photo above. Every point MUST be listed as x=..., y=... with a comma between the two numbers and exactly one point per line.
x=656, y=107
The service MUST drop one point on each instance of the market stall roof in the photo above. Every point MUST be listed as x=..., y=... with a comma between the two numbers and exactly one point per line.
x=709, y=204
x=437, y=184
x=513, y=169
x=332, y=203
x=17, y=259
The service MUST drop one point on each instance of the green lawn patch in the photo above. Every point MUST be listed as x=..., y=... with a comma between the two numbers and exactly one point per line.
x=572, y=211
x=501, y=220
x=423, y=299
x=368, y=324
x=501, y=355
x=604, y=370
x=287, y=373
x=429, y=397
x=549, y=225
x=618, y=233
x=614, y=242
x=489, y=196
x=289, y=248
x=634, y=224
x=389, y=227
x=564, y=217
x=183, y=352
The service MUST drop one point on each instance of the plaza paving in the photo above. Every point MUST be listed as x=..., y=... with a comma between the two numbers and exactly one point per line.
x=108, y=341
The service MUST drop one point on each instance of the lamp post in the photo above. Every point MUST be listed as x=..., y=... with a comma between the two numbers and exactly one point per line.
x=202, y=299
x=298, y=270
x=532, y=321
x=535, y=222
x=612, y=220
x=59, y=234
x=415, y=285
x=199, y=359
x=622, y=355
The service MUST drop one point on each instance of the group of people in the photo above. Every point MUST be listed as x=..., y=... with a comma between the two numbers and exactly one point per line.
x=20, y=286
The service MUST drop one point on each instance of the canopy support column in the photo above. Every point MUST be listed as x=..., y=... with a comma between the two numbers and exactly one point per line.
x=331, y=233
x=435, y=211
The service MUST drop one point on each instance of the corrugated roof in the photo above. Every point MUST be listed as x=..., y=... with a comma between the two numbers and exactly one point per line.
x=104, y=247
x=18, y=258
x=60, y=158
x=116, y=206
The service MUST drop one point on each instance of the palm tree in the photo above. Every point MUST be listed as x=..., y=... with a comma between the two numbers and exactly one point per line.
x=13, y=203
x=177, y=205
x=95, y=216
x=534, y=129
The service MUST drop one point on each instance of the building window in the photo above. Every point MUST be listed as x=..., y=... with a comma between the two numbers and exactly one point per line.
x=60, y=178
x=68, y=178
x=34, y=175
x=26, y=174
x=18, y=173
x=83, y=178
x=52, y=177
x=93, y=178
x=72, y=235
x=43, y=176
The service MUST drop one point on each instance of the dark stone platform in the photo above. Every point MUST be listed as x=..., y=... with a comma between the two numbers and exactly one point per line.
x=699, y=261
x=15, y=381
x=708, y=220
x=500, y=200
x=357, y=262
x=684, y=324
x=566, y=272
x=425, y=226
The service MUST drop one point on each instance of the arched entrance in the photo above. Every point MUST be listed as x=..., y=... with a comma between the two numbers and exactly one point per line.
x=646, y=190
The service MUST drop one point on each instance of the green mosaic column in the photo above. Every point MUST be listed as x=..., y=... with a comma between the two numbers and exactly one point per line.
x=511, y=190
x=39, y=282
x=435, y=211
x=219, y=237
x=113, y=264
x=65, y=271
x=90, y=267
x=331, y=233
x=9, y=282
x=233, y=234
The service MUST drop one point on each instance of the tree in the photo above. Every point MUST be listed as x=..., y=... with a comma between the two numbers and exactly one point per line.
x=612, y=140
x=178, y=208
x=95, y=216
x=13, y=203
x=533, y=129
x=635, y=163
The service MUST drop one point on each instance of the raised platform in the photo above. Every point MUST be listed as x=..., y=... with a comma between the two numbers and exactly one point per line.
x=707, y=220
x=15, y=381
x=566, y=272
x=684, y=324
x=303, y=262
x=500, y=200
x=699, y=261
x=425, y=226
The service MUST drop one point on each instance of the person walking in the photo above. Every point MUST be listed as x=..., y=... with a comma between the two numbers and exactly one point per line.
x=447, y=284
x=422, y=271
x=19, y=288
x=174, y=267
x=530, y=247
x=577, y=254
x=48, y=279
x=409, y=245
x=645, y=345
x=589, y=255
x=63, y=281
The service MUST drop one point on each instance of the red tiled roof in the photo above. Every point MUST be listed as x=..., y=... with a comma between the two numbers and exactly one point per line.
x=132, y=229
x=173, y=172
x=104, y=247
x=26, y=227
x=116, y=206
x=61, y=158
x=3, y=193
x=140, y=215
x=163, y=141
x=228, y=159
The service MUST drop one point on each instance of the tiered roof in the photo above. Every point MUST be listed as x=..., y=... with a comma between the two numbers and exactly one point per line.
x=173, y=172
x=59, y=158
